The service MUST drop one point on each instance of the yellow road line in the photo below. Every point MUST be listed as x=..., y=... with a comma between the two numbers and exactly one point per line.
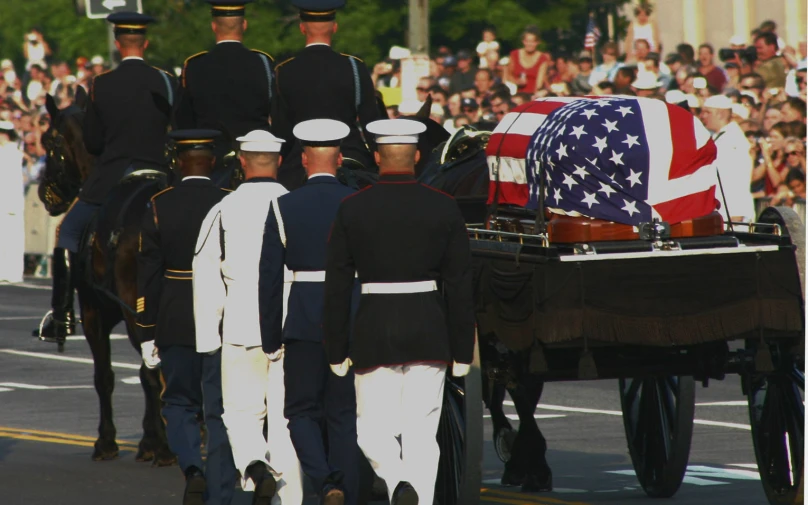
x=18, y=433
x=512, y=498
x=63, y=441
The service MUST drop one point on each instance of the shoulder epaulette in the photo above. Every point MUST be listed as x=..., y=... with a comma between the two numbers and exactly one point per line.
x=352, y=56
x=264, y=53
x=284, y=62
x=226, y=190
x=163, y=71
x=161, y=192
x=185, y=65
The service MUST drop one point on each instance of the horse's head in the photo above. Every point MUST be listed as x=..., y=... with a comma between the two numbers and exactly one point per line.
x=68, y=163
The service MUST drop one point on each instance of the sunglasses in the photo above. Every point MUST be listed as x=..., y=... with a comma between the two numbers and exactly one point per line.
x=789, y=153
x=422, y=90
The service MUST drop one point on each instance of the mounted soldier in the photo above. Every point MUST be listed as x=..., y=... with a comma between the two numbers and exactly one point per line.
x=295, y=237
x=124, y=128
x=302, y=93
x=227, y=88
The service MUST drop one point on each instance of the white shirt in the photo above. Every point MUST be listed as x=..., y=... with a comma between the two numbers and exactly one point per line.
x=132, y=58
x=735, y=168
x=228, y=289
x=312, y=176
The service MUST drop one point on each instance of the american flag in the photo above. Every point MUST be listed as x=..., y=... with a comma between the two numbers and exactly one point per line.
x=613, y=158
x=592, y=34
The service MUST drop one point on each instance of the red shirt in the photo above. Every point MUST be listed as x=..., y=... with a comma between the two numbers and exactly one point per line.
x=531, y=74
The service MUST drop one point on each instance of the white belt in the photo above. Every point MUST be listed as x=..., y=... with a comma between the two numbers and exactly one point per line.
x=389, y=288
x=309, y=276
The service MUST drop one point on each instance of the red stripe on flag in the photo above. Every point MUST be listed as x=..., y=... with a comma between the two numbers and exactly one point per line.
x=509, y=193
x=512, y=146
x=686, y=159
x=687, y=207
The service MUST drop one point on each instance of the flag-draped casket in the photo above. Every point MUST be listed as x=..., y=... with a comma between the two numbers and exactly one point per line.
x=621, y=159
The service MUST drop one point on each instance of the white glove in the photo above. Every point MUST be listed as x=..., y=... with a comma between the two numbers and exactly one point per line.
x=460, y=369
x=342, y=369
x=151, y=358
x=275, y=356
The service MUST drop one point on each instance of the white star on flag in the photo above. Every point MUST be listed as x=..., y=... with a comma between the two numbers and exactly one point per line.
x=600, y=143
x=634, y=178
x=561, y=151
x=589, y=199
x=578, y=131
x=580, y=172
x=631, y=208
x=610, y=125
x=625, y=110
x=616, y=158
x=557, y=195
x=589, y=113
x=569, y=181
x=631, y=140
x=593, y=162
x=606, y=189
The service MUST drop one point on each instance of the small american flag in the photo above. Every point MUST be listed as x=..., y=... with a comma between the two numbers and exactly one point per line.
x=592, y=34
x=621, y=159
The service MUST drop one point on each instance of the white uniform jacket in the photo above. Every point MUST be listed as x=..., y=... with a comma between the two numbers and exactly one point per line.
x=225, y=267
x=735, y=167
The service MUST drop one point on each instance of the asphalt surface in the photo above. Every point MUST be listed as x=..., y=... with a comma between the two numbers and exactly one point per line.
x=49, y=417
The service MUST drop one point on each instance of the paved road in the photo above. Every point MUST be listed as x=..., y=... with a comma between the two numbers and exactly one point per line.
x=49, y=414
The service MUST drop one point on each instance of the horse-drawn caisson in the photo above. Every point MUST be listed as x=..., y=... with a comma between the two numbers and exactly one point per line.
x=599, y=254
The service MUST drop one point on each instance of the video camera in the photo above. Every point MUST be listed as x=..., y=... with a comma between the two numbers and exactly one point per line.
x=748, y=54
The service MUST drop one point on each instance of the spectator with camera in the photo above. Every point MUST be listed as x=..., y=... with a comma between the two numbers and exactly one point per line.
x=771, y=67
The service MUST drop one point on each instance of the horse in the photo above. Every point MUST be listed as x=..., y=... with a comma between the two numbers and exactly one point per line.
x=459, y=167
x=105, y=271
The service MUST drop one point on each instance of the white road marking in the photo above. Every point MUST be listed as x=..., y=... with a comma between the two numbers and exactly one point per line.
x=3, y=390
x=753, y=466
x=20, y=318
x=114, y=336
x=18, y=385
x=42, y=355
x=696, y=475
x=581, y=410
x=738, y=403
x=25, y=285
x=131, y=380
x=515, y=417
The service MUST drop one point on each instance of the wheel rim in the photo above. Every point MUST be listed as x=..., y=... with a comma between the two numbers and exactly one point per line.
x=658, y=418
x=503, y=443
x=777, y=414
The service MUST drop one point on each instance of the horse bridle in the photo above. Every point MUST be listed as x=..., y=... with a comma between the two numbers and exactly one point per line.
x=60, y=187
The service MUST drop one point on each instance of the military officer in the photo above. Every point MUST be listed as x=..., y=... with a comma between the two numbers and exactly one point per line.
x=123, y=128
x=227, y=316
x=321, y=83
x=296, y=236
x=401, y=239
x=228, y=87
x=165, y=320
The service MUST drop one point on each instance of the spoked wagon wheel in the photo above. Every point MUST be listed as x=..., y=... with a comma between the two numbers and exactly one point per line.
x=777, y=417
x=460, y=437
x=658, y=417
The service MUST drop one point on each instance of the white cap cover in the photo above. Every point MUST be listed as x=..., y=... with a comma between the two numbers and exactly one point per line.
x=718, y=102
x=260, y=141
x=396, y=131
x=321, y=130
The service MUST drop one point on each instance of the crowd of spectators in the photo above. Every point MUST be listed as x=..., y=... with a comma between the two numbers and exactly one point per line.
x=764, y=79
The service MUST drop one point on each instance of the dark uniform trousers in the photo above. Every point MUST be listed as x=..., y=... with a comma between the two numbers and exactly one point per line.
x=318, y=404
x=193, y=388
x=165, y=315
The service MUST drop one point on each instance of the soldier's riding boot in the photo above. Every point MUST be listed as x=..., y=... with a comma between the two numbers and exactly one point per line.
x=63, y=322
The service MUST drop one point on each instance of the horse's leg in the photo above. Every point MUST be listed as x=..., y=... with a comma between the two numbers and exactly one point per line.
x=96, y=331
x=528, y=465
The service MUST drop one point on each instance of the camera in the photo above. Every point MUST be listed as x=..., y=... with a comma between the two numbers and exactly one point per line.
x=749, y=54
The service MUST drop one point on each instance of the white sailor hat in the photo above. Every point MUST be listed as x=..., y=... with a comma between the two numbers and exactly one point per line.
x=321, y=132
x=718, y=102
x=260, y=141
x=396, y=131
x=646, y=81
x=740, y=110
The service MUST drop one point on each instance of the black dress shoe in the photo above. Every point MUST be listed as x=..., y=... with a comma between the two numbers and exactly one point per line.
x=404, y=494
x=332, y=492
x=195, y=487
x=537, y=483
x=265, y=485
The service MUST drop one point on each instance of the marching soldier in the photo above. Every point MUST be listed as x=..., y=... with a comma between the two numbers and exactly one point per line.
x=123, y=127
x=165, y=319
x=401, y=239
x=229, y=87
x=296, y=236
x=321, y=83
x=227, y=315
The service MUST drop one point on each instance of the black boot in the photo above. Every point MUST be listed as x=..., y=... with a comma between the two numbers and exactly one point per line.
x=63, y=322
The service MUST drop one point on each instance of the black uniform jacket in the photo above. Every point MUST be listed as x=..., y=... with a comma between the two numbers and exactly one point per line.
x=123, y=125
x=399, y=231
x=226, y=89
x=319, y=83
x=307, y=215
x=165, y=308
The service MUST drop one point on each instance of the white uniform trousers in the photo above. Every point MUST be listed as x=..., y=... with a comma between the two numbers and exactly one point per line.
x=249, y=380
x=403, y=401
